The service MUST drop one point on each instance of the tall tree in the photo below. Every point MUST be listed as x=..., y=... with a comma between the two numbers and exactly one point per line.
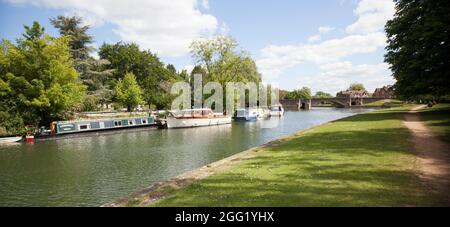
x=150, y=72
x=357, y=87
x=418, y=47
x=222, y=63
x=42, y=82
x=128, y=92
x=79, y=38
x=303, y=93
x=322, y=95
x=94, y=73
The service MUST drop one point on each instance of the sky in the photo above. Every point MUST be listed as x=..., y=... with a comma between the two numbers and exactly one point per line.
x=325, y=45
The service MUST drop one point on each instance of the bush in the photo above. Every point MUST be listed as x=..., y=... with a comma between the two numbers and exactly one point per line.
x=11, y=124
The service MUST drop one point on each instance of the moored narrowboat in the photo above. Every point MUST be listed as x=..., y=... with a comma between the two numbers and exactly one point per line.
x=71, y=127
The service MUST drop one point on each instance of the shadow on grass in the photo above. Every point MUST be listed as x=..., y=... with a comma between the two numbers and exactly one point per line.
x=348, y=163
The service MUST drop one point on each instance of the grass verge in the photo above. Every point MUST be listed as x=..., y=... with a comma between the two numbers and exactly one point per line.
x=438, y=120
x=365, y=160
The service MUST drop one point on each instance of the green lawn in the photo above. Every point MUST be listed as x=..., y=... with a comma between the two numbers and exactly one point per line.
x=386, y=103
x=365, y=160
x=438, y=119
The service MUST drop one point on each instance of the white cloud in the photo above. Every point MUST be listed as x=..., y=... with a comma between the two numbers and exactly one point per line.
x=326, y=29
x=337, y=76
x=331, y=56
x=166, y=27
x=314, y=38
x=205, y=4
x=372, y=16
x=284, y=57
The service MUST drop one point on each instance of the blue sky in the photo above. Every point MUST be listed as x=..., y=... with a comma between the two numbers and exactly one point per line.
x=325, y=45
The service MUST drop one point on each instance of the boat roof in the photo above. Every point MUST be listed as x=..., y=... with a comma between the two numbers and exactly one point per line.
x=103, y=119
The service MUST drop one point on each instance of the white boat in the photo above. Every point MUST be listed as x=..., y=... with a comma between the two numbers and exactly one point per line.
x=10, y=140
x=263, y=113
x=246, y=115
x=277, y=111
x=196, y=118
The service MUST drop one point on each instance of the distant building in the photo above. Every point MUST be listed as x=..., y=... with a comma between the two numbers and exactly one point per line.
x=354, y=94
x=386, y=92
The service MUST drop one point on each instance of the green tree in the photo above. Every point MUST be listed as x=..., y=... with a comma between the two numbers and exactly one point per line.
x=79, y=38
x=219, y=61
x=303, y=93
x=42, y=83
x=223, y=63
x=357, y=87
x=418, y=47
x=94, y=73
x=322, y=95
x=150, y=72
x=128, y=92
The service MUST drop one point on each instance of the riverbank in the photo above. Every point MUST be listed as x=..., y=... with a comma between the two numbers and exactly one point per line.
x=364, y=160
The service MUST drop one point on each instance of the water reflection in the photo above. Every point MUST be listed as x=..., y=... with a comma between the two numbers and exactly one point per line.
x=91, y=171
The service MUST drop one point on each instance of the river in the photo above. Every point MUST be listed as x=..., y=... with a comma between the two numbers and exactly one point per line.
x=91, y=171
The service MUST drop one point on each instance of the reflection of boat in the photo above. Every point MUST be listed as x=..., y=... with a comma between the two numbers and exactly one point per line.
x=70, y=127
x=246, y=115
x=277, y=111
x=10, y=139
x=196, y=118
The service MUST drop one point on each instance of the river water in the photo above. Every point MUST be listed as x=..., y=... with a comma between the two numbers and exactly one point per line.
x=91, y=171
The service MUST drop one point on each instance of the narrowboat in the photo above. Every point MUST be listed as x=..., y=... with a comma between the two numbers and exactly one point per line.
x=7, y=140
x=277, y=111
x=71, y=127
x=246, y=115
x=196, y=118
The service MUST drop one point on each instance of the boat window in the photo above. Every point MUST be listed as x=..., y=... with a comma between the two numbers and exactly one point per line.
x=84, y=127
x=187, y=113
x=117, y=123
x=198, y=113
x=131, y=122
x=208, y=112
x=144, y=121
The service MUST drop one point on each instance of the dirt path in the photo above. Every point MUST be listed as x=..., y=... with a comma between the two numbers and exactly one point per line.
x=433, y=155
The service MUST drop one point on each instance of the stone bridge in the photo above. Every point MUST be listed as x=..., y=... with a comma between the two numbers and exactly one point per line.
x=338, y=102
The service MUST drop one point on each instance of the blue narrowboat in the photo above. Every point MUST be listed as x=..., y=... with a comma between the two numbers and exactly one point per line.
x=71, y=127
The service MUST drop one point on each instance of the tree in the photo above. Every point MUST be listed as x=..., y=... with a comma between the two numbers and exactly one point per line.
x=79, y=39
x=357, y=87
x=150, y=72
x=322, y=95
x=94, y=73
x=220, y=62
x=418, y=47
x=128, y=92
x=40, y=80
x=303, y=93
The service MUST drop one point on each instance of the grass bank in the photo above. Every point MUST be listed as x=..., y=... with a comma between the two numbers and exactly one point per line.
x=438, y=120
x=365, y=160
x=387, y=103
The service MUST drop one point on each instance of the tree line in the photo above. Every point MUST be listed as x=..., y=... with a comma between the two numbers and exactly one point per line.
x=45, y=78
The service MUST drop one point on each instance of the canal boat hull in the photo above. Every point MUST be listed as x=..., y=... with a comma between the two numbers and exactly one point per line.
x=74, y=127
x=246, y=118
x=7, y=140
x=196, y=122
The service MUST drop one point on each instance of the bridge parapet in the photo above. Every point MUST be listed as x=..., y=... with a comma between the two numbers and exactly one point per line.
x=339, y=102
